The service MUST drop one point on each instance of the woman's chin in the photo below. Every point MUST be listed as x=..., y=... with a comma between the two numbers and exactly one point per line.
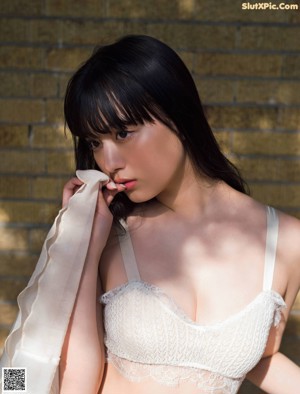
x=138, y=198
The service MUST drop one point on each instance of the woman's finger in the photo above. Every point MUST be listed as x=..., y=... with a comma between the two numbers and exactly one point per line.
x=69, y=189
x=111, y=190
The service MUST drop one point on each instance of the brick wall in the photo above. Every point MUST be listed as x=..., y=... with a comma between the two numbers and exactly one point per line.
x=246, y=64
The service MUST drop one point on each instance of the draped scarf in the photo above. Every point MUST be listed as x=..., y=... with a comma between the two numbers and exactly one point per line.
x=45, y=305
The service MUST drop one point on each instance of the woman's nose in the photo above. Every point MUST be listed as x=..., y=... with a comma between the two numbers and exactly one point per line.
x=111, y=160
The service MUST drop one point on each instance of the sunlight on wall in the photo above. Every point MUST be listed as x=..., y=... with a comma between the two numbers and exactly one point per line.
x=12, y=238
x=4, y=217
x=186, y=6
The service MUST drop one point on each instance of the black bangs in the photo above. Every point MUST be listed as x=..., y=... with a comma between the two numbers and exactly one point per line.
x=113, y=102
x=135, y=80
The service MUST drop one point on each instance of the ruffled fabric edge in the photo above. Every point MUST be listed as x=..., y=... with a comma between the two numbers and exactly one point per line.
x=45, y=305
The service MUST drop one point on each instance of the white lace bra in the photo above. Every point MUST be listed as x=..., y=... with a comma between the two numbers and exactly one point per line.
x=147, y=335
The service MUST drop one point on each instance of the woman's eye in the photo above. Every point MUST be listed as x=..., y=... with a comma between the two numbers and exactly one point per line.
x=122, y=134
x=94, y=144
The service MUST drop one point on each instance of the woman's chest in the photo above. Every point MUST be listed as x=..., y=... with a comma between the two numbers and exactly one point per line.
x=144, y=325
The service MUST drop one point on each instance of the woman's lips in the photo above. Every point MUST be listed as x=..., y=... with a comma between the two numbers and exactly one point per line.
x=130, y=183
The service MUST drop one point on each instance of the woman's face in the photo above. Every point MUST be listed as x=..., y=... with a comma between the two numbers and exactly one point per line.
x=148, y=159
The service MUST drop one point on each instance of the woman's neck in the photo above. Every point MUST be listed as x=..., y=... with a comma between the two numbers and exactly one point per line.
x=192, y=195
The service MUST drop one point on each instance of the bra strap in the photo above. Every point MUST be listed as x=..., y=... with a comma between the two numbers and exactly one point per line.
x=271, y=246
x=128, y=255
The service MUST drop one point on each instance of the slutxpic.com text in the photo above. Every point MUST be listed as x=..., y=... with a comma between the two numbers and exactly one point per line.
x=269, y=6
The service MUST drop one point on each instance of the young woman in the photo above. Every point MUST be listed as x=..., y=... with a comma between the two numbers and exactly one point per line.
x=188, y=281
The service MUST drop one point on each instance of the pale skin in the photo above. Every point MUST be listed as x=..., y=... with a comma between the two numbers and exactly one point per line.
x=201, y=229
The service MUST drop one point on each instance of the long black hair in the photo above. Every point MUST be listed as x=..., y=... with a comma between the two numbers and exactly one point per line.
x=133, y=81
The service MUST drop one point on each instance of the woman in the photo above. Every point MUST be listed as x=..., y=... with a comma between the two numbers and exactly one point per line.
x=197, y=281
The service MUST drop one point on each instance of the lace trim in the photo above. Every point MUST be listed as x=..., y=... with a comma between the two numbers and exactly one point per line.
x=147, y=288
x=167, y=375
x=279, y=306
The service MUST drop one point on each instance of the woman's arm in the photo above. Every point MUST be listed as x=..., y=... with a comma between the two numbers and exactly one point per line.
x=82, y=361
x=82, y=357
x=276, y=375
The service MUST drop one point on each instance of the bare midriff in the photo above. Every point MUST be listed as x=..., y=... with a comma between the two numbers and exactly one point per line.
x=115, y=383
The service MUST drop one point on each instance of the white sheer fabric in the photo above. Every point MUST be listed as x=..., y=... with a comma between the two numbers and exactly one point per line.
x=46, y=304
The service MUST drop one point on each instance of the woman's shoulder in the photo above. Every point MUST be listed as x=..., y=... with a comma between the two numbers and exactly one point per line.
x=289, y=242
x=288, y=230
x=251, y=215
x=289, y=225
x=288, y=255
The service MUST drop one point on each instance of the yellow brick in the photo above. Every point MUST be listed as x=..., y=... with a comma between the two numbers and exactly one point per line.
x=295, y=17
x=290, y=118
x=21, y=57
x=45, y=31
x=268, y=169
x=242, y=117
x=21, y=110
x=28, y=212
x=62, y=180
x=51, y=137
x=13, y=29
x=76, y=8
x=289, y=170
x=28, y=85
x=146, y=9
x=238, y=64
x=3, y=335
x=266, y=143
x=291, y=66
x=45, y=188
x=37, y=238
x=67, y=58
x=13, y=136
x=11, y=238
x=22, y=7
x=20, y=162
x=8, y=313
x=269, y=37
x=14, y=187
x=223, y=138
x=215, y=91
x=61, y=163
x=11, y=288
x=268, y=92
x=63, y=82
x=18, y=264
x=133, y=27
x=44, y=85
x=297, y=303
x=13, y=84
x=287, y=196
x=293, y=212
x=191, y=37
x=54, y=111
x=188, y=59
x=91, y=33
